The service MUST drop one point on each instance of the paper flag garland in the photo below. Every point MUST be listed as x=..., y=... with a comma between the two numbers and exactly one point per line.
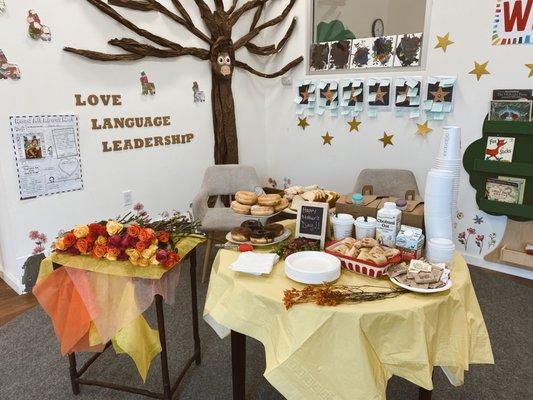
x=352, y=101
x=480, y=70
x=306, y=98
x=423, y=129
x=329, y=98
x=443, y=42
x=147, y=87
x=7, y=69
x=407, y=96
x=386, y=140
x=439, y=98
x=35, y=29
x=302, y=123
x=530, y=66
x=327, y=138
x=378, y=95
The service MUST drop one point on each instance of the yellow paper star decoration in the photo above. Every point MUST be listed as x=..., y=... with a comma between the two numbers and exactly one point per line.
x=480, y=70
x=354, y=125
x=423, y=129
x=530, y=66
x=386, y=139
x=327, y=138
x=443, y=42
x=302, y=123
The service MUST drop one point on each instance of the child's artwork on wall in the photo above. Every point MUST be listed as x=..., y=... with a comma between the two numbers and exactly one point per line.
x=361, y=51
x=383, y=51
x=7, y=69
x=513, y=22
x=378, y=95
x=439, y=98
x=147, y=87
x=319, y=57
x=408, y=50
x=339, y=54
x=329, y=97
x=198, y=95
x=353, y=97
x=35, y=29
x=407, y=96
x=306, y=98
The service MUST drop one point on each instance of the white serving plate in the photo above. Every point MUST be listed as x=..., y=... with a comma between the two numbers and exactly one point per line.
x=285, y=235
x=312, y=267
x=420, y=290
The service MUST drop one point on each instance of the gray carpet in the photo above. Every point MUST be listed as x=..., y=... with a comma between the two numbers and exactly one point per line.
x=31, y=368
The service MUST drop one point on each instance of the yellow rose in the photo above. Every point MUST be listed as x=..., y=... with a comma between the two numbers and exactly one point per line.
x=111, y=257
x=153, y=261
x=144, y=262
x=113, y=228
x=134, y=261
x=81, y=231
x=60, y=244
x=149, y=252
x=102, y=240
x=133, y=254
x=155, y=242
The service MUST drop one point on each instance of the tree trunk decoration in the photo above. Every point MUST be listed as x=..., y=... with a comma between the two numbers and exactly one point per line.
x=221, y=52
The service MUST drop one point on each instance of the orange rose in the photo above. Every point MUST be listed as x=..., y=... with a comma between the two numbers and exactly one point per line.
x=140, y=246
x=101, y=240
x=113, y=253
x=147, y=235
x=69, y=239
x=82, y=245
x=163, y=237
x=134, y=230
x=99, y=251
x=60, y=244
x=172, y=260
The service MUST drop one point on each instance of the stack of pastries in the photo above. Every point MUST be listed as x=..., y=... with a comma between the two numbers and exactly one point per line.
x=367, y=249
x=299, y=194
x=253, y=231
x=249, y=203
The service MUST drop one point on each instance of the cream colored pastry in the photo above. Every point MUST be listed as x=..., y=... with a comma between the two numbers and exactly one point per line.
x=240, y=208
x=284, y=203
x=262, y=211
x=353, y=252
x=332, y=198
x=269, y=200
x=379, y=259
x=390, y=253
x=377, y=250
x=296, y=202
x=246, y=198
x=369, y=242
x=311, y=187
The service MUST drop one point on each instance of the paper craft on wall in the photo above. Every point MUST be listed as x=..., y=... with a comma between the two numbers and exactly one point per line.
x=480, y=69
x=361, y=50
x=302, y=123
x=199, y=95
x=439, y=98
x=47, y=154
x=35, y=29
x=329, y=98
x=327, y=138
x=383, y=51
x=339, y=54
x=7, y=69
x=407, y=96
x=2, y=5
x=530, y=67
x=147, y=87
x=386, y=140
x=443, y=42
x=408, y=50
x=378, y=95
x=319, y=57
x=306, y=98
x=423, y=129
x=513, y=22
x=352, y=101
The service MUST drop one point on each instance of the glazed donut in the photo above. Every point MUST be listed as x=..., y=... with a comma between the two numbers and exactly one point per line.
x=246, y=198
x=240, y=208
x=241, y=234
x=269, y=200
x=261, y=236
x=277, y=229
x=262, y=211
x=252, y=224
x=284, y=203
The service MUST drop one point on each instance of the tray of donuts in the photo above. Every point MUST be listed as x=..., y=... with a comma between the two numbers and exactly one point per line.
x=254, y=233
x=267, y=205
x=364, y=256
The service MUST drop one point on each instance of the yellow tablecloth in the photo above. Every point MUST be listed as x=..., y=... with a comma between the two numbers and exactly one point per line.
x=350, y=351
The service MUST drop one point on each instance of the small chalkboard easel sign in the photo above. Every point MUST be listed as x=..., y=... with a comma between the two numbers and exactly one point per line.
x=312, y=221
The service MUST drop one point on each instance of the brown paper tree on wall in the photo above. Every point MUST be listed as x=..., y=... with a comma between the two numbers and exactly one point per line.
x=221, y=53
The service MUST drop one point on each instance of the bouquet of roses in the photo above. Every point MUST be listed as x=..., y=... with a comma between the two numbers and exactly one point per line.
x=133, y=238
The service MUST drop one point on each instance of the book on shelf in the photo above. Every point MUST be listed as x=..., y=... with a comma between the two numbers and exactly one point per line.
x=512, y=94
x=510, y=110
x=499, y=149
x=502, y=191
x=521, y=186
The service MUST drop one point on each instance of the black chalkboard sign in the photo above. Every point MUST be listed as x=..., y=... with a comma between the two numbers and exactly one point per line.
x=312, y=221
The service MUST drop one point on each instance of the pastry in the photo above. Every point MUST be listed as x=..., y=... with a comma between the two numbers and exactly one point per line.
x=240, y=208
x=269, y=200
x=378, y=259
x=284, y=203
x=318, y=196
x=276, y=229
x=246, y=198
x=252, y=224
x=350, y=241
x=296, y=202
x=369, y=242
x=241, y=234
x=396, y=270
x=377, y=250
x=262, y=210
x=353, y=252
x=261, y=236
x=332, y=198
x=390, y=253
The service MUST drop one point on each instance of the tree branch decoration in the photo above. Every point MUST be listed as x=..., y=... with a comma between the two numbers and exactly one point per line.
x=221, y=52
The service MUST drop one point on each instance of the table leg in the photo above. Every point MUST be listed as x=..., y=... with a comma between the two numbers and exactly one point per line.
x=424, y=394
x=167, y=395
x=194, y=301
x=238, y=364
x=73, y=373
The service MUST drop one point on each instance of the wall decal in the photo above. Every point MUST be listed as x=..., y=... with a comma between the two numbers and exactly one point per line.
x=198, y=95
x=480, y=69
x=327, y=138
x=386, y=140
x=423, y=129
x=35, y=29
x=354, y=125
x=408, y=50
x=47, y=154
x=478, y=219
x=530, y=66
x=378, y=95
x=439, y=97
x=443, y=42
x=306, y=97
x=221, y=52
x=407, y=96
x=513, y=22
x=302, y=123
x=147, y=87
x=353, y=97
x=329, y=98
x=7, y=69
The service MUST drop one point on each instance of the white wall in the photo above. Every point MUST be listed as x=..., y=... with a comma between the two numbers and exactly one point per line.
x=301, y=156
x=162, y=178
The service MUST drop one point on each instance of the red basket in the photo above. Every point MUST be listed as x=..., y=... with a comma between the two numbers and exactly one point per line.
x=367, y=268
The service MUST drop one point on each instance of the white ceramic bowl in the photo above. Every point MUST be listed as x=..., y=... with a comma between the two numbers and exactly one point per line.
x=312, y=267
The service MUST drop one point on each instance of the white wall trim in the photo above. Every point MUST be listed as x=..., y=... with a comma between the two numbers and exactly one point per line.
x=478, y=261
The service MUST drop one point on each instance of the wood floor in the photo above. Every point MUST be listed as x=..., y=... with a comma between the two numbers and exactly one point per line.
x=11, y=304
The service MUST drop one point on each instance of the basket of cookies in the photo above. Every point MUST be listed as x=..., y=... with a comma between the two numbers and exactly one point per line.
x=300, y=194
x=249, y=203
x=364, y=256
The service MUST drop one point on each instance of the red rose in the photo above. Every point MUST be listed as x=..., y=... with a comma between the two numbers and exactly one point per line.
x=172, y=259
x=69, y=239
x=147, y=235
x=163, y=237
x=140, y=246
x=134, y=230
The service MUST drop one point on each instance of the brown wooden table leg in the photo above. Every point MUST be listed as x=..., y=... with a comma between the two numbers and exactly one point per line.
x=194, y=301
x=238, y=364
x=73, y=374
x=167, y=394
x=424, y=394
